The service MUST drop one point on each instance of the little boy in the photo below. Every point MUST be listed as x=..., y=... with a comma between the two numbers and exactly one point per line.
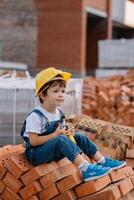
x=44, y=130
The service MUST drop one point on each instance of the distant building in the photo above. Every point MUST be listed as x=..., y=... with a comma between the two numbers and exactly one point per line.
x=63, y=33
x=69, y=31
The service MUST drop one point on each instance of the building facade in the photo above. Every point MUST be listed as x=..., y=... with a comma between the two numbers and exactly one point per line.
x=62, y=33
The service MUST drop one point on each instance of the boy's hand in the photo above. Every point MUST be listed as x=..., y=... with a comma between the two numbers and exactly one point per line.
x=59, y=131
x=70, y=130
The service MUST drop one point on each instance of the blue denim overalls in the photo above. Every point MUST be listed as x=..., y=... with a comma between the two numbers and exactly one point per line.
x=58, y=147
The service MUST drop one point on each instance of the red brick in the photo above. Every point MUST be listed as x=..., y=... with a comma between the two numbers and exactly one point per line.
x=130, y=162
x=8, y=194
x=63, y=162
x=132, y=179
x=67, y=170
x=69, y=182
x=127, y=140
x=2, y=186
x=11, y=182
x=49, y=192
x=30, y=190
x=131, y=146
x=50, y=178
x=119, y=174
x=32, y=175
x=18, y=164
x=128, y=196
x=7, y=148
x=92, y=186
x=2, y=171
x=125, y=186
x=33, y=198
x=130, y=153
x=4, y=160
x=49, y=167
x=110, y=193
x=67, y=195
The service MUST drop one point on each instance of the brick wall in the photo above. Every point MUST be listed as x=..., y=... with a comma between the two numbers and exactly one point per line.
x=18, y=31
x=60, y=34
x=62, y=31
x=97, y=4
x=50, y=33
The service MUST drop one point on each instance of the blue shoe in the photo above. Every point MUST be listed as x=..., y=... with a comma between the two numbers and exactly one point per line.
x=95, y=171
x=113, y=164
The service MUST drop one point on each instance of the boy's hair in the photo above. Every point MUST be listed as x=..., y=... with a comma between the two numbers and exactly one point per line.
x=51, y=84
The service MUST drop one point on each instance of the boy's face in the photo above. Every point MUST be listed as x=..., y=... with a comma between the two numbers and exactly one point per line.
x=55, y=95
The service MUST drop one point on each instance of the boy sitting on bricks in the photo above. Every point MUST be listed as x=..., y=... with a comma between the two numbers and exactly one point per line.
x=44, y=130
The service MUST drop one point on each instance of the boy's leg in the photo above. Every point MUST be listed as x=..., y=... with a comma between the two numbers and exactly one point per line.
x=88, y=147
x=91, y=150
x=62, y=146
x=55, y=149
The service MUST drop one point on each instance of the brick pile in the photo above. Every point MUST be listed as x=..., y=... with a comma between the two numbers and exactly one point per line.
x=130, y=155
x=110, y=99
x=114, y=145
x=57, y=180
x=112, y=139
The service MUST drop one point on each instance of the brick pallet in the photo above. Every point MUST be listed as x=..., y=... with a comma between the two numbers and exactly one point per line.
x=110, y=99
x=57, y=180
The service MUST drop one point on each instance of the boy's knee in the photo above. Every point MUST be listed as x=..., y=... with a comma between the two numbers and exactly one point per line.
x=62, y=138
x=79, y=135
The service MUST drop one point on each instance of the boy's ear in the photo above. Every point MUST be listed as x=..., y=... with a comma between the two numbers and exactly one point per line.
x=42, y=95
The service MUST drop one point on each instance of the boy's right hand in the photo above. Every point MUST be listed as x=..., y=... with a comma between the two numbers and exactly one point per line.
x=59, y=131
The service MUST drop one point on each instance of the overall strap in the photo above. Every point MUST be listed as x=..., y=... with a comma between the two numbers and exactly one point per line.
x=24, y=124
x=40, y=114
x=62, y=115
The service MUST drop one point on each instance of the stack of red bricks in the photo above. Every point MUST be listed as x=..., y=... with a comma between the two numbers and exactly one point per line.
x=57, y=180
x=110, y=99
x=130, y=155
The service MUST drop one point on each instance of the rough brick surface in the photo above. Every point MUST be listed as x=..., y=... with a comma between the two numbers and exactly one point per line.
x=114, y=98
x=67, y=170
x=30, y=190
x=50, y=178
x=2, y=171
x=58, y=181
x=18, y=164
x=69, y=182
x=8, y=194
x=130, y=153
x=125, y=186
x=117, y=175
x=67, y=195
x=49, y=192
x=13, y=183
x=2, y=186
x=33, y=198
x=92, y=186
x=130, y=162
x=37, y=172
x=110, y=193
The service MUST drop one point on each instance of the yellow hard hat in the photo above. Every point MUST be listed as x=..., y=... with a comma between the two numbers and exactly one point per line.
x=47, y=75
